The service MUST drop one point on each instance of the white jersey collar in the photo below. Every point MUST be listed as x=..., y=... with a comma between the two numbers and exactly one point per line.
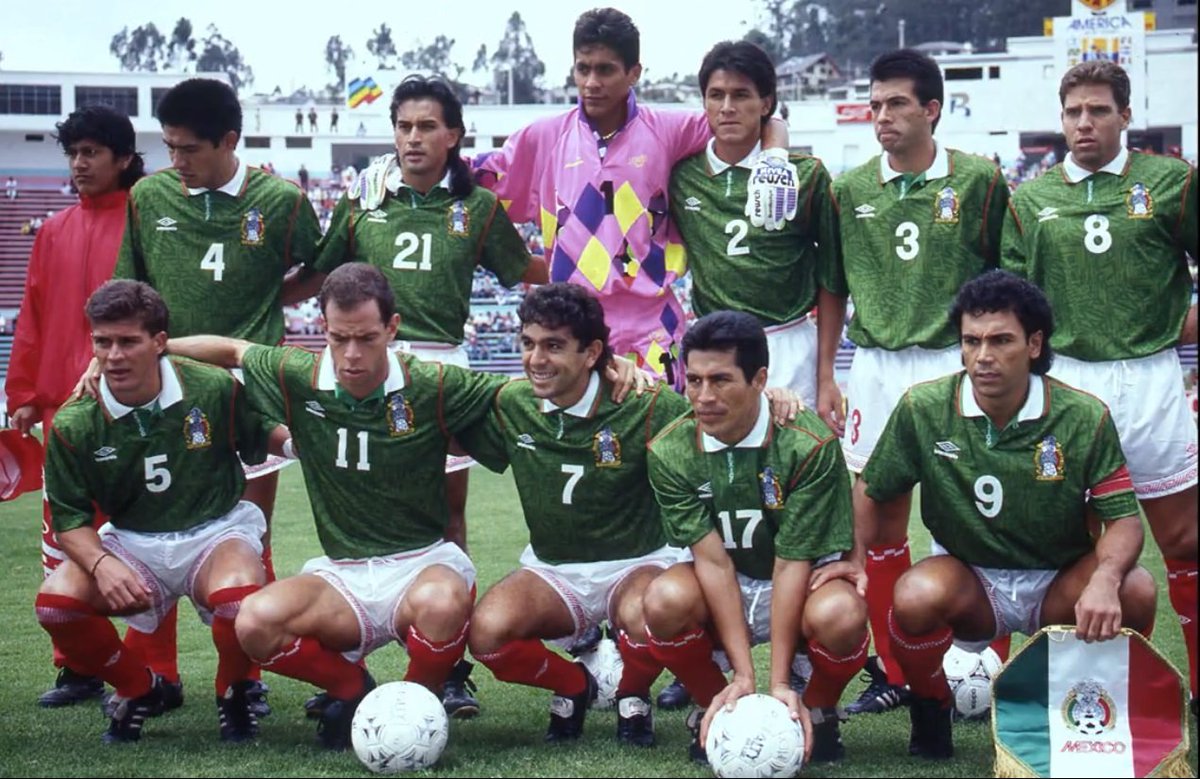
x=169, y=393
x=718, y=165
x=1075, y=173
x=327, y=377
x=753, y=440
x=233, y=187
x=583, y=408
x=940, y=168
x=1035, y=402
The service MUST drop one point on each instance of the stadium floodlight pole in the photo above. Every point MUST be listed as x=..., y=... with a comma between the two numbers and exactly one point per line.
x=900, y=31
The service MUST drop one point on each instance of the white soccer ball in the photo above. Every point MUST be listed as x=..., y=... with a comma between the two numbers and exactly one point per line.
x=399, y=726
x=757, y=738
x=604, y=661
x=970, y=677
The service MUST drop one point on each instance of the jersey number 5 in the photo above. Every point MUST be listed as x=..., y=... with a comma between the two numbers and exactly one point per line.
x=158, y=479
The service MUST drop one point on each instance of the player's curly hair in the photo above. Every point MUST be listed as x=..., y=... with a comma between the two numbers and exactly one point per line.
x=355, y=283
x=418, y=87
x=912, y=64
x=608, y=27
x=206, y=106
x=568, y=305
x=747, y=59
x=1101, y=71
x=730, y=331
x=122, y=299
x=110, y=129
x=999, y=290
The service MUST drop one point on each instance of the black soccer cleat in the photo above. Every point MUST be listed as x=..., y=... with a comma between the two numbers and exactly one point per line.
x=457, y=697
x=635, y=721
x=125, y=725
x=235, y=713
x=172, y=698
x=567, y=713
x=931, y=729
x=71, y=688
x=315, y=706
x=674, y=696
x=696, y=751
x=827, y=744
x=879, y=696
x=586, y=642
x=333, y=728
x=256, y=693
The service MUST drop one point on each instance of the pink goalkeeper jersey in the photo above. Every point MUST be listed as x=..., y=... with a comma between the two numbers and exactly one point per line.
x=603, y=209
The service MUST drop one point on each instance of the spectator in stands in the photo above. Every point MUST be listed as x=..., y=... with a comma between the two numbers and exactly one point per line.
x=53, y=344
x=36, y=224
x=303, y=175
x=27, y=227
x=67, y=187
x=10, y=188
x=333, y=120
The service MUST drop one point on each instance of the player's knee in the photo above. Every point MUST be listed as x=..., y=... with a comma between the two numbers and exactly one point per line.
x=442, y=598
x=1139, y=599
x=259, y=625
x=64, y=581
x=839, y=620
x=918, y=592
x=630, y=617
x=490, y=629
x=666, y=606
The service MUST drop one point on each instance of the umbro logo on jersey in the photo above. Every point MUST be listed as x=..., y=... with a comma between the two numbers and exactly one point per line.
x=1047, y=213
x=166, y=225
x=105, y=453
x=865, y=211
x=574, y=164
x=947, y=449
x=691, y=204
x=525, y=441
x=704, y=491
x=315, y=408
x=378, y=215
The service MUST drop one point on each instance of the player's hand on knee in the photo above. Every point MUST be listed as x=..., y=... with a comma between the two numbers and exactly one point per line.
x=738, y=687
x=120, y=587
x=89, y=382
x=842, y=569
x=786, y=404
x=829, y=407
x=1098, y=610
x=782, y=691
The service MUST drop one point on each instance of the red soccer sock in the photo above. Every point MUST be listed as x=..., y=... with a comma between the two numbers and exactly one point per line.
x=921, y=659
x=1182, y=588
x=1001, y=646
x=530, y=662
x=307, y=660
x=639, y=670
x=430, y=662
x=885, y=566
x=233, y=664
x=831, y=673
x=689, y=657
x=91, y=645
x=159, y=648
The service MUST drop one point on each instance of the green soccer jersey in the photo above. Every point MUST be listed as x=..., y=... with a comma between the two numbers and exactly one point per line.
x=1109, y=250
x=218, y=257
x=908, y=244
x=580, y=472
x=428, y=247
x=781, y=492
x=161, y=469
x=771, y=274
x=1011, y=498
x=374, y=469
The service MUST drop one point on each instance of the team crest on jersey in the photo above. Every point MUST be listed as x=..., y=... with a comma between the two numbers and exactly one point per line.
x=772, y=494
x=945, y=208
x=196, y=432
x=458, y=218
x=1048, y=460
x=399, y=415
x=1139, y=203
x=253, y=228
x=607, y=448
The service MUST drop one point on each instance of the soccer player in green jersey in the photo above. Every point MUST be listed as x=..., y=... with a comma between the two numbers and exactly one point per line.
x=1011, y=464
x=915, y=223
x=444, y=226
x=215, y=237
x=1105, y=234
x=372, y=427
x=761, y=506
x=775, y=275
x=157, y=452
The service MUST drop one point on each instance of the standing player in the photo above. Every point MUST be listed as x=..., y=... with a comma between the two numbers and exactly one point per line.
x=157, y=452
x=444, y=226
x=1105, y=234
x=776, y=276
x=762, y=506
x=52, y=345
x=215, y=237
x=1010, y=463
x=372, y=427
x=916, y=222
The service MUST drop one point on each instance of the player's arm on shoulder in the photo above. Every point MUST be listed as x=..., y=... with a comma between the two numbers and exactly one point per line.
x=514, y=171
x=1013, y=254
x=131, y=263
x=213, y=349
x=484, y=439
x=995, y=210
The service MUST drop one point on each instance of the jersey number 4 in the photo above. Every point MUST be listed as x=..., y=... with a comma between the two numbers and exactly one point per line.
x=214, y=261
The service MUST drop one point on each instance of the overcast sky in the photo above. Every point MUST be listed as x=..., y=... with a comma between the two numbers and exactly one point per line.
x=285, y=45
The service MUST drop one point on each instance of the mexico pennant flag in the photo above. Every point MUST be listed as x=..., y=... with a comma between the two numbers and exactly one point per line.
x=1063, y=707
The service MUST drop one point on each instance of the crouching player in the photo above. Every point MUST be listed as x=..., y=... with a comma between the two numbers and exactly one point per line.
x=372, y=429
x=1010, y=463
x=762, y=506
x=157, y=452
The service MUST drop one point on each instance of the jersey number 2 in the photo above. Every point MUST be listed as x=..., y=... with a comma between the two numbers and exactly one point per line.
x=738, y=229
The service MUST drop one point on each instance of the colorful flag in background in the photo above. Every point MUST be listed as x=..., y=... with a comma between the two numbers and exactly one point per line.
x=1063, y=707
x=362, y=90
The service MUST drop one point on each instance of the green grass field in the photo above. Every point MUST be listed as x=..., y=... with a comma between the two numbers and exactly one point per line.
x=504, y=741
